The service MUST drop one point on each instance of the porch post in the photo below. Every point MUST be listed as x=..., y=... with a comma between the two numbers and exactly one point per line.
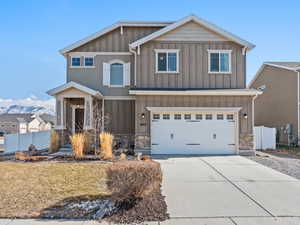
x=88, y=112
x=60, y=113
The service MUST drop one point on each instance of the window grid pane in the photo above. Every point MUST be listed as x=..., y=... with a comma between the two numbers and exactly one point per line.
x=230, y=117
x=198, y=116
x=75, y=61
x=166, y=116
x=177, y=116
x=172, y=61
x=224, y=61
x=214, y=62
x=187, y=116
x=220, y=117
x=116, y=74
x=156, y=116
x=162, y=61
x=208, y=116
x=89, y=61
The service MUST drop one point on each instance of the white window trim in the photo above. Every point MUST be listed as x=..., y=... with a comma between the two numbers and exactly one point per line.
x=166, y=51
x=93, y=66
x=71, y=62
x=82, y=62
x=123, y=63
x=219, y=51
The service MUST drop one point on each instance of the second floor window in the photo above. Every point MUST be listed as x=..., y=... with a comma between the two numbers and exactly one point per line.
x=166, y=61
x=75, y=61
x=219, y=61
x=116, y=74
x=88, y=61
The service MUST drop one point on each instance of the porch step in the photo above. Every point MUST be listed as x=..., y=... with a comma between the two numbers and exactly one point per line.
x=65, y=149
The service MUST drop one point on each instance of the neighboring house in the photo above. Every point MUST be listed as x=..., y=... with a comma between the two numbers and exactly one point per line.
x=278, y=106
x=24, y=123
x=41, y=122
x=164, y=87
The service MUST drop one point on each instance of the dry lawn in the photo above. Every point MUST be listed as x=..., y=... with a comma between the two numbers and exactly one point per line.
x=28, y=188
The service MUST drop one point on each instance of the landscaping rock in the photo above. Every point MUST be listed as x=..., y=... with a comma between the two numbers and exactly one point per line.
x=84, y=209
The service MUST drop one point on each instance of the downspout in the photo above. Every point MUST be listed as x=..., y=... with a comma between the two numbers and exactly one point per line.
x=298, y=97
x=253, y=121
x=134, y=53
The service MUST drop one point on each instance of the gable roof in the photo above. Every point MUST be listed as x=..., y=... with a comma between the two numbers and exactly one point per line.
x=292, y=66
x=111, y=28
x=198, y=20
x=75, y=85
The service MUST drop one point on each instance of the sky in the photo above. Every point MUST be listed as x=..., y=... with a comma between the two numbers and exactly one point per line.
x=32, y=32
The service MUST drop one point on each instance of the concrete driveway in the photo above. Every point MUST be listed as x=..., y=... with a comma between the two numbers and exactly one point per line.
x=228, y=190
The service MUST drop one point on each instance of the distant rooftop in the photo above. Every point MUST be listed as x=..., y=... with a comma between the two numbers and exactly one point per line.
x=292, y=65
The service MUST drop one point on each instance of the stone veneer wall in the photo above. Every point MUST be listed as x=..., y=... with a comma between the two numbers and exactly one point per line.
x=246, y=141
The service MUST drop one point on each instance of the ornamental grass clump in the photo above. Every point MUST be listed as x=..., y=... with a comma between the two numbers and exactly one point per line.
x=78, y=142
x=106, y=145
x=54, y=142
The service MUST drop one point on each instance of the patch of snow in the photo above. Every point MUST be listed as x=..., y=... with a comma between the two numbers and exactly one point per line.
x=28, y=105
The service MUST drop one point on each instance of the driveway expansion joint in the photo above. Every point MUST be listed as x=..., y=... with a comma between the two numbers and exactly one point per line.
x=237, y=187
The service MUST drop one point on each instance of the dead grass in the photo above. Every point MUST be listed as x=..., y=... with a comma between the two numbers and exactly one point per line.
x=54, y=142
x=28, y=188
x=106, y=140
x=79, y=142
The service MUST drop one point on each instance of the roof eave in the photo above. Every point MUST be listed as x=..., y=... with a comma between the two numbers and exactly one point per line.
x=200, y=21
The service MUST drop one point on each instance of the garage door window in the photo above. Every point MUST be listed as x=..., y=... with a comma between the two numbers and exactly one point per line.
x=177, y=117
x=229, y=117
x=187, y=116
x=220, y=117
x=208, y=116
x=198, y=116
x=156, y=116
x=166, y=116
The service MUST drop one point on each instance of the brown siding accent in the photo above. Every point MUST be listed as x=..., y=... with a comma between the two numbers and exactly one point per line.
x=277, y=106
x=114, y=41
x=193, y=66
x=142, y=126
x=119, y=116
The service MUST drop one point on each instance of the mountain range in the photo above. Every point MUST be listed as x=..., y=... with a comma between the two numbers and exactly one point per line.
x=27, y=105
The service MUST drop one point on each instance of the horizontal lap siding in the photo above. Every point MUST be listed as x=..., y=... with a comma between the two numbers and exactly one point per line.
x=120, y=116
x=142, y=102
x=193, y=66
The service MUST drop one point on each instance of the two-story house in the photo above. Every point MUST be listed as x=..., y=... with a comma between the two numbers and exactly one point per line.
x=166, y=87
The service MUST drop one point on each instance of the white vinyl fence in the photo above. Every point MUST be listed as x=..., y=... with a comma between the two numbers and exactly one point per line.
x=265, y=138
x=21, y=142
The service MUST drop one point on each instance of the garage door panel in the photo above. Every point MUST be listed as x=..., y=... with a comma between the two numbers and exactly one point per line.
x=207, y=135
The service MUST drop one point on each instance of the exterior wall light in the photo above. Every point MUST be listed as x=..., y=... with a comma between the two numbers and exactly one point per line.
x=245, y=115
x=143, y=115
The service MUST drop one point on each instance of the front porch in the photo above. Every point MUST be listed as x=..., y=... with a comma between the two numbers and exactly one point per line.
x=78, y=109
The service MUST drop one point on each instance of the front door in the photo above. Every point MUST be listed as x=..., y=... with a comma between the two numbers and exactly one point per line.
x=79, y=119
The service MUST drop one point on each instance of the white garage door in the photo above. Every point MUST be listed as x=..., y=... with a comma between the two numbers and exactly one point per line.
x=193, y=133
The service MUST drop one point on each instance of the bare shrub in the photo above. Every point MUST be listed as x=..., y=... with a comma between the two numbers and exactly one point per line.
x=134, y=179
x=54, y=142
x=78, y=142
x=87, y=142
x=106, y=144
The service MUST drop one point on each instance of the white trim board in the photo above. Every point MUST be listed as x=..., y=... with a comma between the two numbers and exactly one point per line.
x=92, y=54
x=234, y=92
x=194, y=109
x=75, y=85
x=198, y=20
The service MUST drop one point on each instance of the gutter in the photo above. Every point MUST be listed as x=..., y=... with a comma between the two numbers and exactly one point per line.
x=134, y=53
